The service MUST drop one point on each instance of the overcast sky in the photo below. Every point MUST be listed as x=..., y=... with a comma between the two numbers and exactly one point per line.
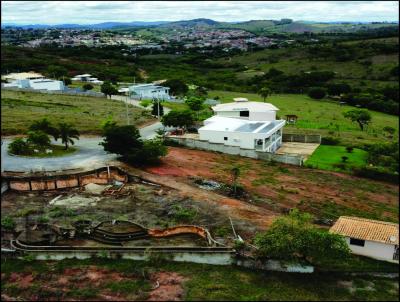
x=88, y=12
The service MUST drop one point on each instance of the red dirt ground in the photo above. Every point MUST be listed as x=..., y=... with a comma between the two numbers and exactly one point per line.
x=170, y=287
x=286, y=189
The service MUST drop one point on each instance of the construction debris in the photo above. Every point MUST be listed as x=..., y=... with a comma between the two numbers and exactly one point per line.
x=74, y=202
x=96, y=189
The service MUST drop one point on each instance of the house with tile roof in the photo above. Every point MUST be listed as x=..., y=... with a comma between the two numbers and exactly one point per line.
x=371, y=238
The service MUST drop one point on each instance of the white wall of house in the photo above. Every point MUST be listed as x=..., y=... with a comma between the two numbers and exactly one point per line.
x=40, y=84
x=244, y=140
x=46, y=84
x=149, y=92
x=373, y=249
x=253, y=116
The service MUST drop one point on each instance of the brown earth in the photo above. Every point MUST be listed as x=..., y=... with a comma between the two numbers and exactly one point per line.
x=279, y=186
x=169, y=287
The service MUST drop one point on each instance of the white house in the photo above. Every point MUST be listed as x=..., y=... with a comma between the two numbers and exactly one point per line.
x=241, y=108
x=371, y=238
x=149, y=91
x=31, y=80
x=248, y=125
x=86, y=78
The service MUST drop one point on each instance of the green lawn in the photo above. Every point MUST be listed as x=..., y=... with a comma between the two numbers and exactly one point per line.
x=325, y=157
x=323, y=117
x=19, y=109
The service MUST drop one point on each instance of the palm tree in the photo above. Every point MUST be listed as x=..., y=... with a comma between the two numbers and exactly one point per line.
x=264, y=92
x=45, y=126
x=67, y=133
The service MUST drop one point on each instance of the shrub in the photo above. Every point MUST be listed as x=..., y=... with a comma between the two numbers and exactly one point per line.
x=295, y=237
x=349, y=149
x=87, y=87
x=330, y=140
x=150, y=152
x=344, y=158
x=317, y=93
x=8, y=223
x=182, y=214
x=39, y=139
x=19, y=147
x=145, y=103
x=377, y=173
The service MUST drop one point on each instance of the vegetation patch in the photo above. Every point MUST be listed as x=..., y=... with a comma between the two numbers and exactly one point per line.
x=337, y=158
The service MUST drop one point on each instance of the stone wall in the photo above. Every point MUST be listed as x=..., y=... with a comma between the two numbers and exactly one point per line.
x=234, y=150
x=301, y=138
x=45, y=183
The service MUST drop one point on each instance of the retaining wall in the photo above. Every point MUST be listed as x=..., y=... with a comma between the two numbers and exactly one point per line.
x=53, y=182
x=234, y=150
x=301, y=138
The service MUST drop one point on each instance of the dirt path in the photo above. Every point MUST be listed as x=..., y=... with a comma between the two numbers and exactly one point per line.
x=232, y=207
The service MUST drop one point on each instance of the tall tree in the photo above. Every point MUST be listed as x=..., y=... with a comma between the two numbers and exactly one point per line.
x=108, y=89
x=361, y=116
x=67, y=133
x=264, y=92
x=45, y=126
x=177, y=118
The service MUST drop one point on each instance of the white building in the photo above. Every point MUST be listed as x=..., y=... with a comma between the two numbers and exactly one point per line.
x=86, y=78
x=149, y=91
x=241, y=108
x=248, y=125
x=371, y=238
x=31, y=80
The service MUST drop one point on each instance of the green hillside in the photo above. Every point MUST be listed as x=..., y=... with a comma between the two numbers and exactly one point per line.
x=321, y=117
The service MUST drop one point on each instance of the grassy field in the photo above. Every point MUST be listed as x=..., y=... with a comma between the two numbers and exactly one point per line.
x=20, y=109
x=326, y=157
x=43, y=279
x=320, y=117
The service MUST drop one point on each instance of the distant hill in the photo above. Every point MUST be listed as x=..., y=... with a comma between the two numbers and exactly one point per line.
x=254, y=26
x=195, y=23
x=104, y=25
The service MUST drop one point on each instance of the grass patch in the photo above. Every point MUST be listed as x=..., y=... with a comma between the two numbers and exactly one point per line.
x=208, y=282
x=84, y=112
x=330, y=158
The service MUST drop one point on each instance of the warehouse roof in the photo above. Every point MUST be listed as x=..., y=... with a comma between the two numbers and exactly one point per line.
x=367, y=229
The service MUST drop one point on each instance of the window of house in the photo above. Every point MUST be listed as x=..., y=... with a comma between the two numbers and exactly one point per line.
x=244, y=113
x=225, y=138
x=358, y=242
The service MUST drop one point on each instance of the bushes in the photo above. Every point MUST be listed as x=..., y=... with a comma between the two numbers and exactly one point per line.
x=8, y=223
x=126, y=141
x=329, y=140
x=376, y=173
x=317, y=93
x=19, y=147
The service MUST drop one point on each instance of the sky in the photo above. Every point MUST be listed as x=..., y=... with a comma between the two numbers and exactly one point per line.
x=90, y=12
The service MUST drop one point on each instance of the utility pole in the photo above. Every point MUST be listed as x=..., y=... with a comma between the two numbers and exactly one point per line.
x=126, y=106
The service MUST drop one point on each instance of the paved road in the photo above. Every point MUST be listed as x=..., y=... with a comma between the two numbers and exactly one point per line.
x=147, y=132
x=89, y=153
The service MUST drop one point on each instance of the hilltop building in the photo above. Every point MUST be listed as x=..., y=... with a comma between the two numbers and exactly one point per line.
x=248, y=125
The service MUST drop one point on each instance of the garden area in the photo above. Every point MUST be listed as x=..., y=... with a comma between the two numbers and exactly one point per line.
x=337, y=158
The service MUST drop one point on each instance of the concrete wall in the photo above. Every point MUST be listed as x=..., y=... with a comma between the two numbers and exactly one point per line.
x=45, y=183
x=302, y=138
x=376, y=250
x=253, y=116
x=235, y=150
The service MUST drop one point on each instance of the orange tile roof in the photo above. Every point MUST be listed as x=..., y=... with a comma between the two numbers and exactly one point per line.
x=367, y=229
